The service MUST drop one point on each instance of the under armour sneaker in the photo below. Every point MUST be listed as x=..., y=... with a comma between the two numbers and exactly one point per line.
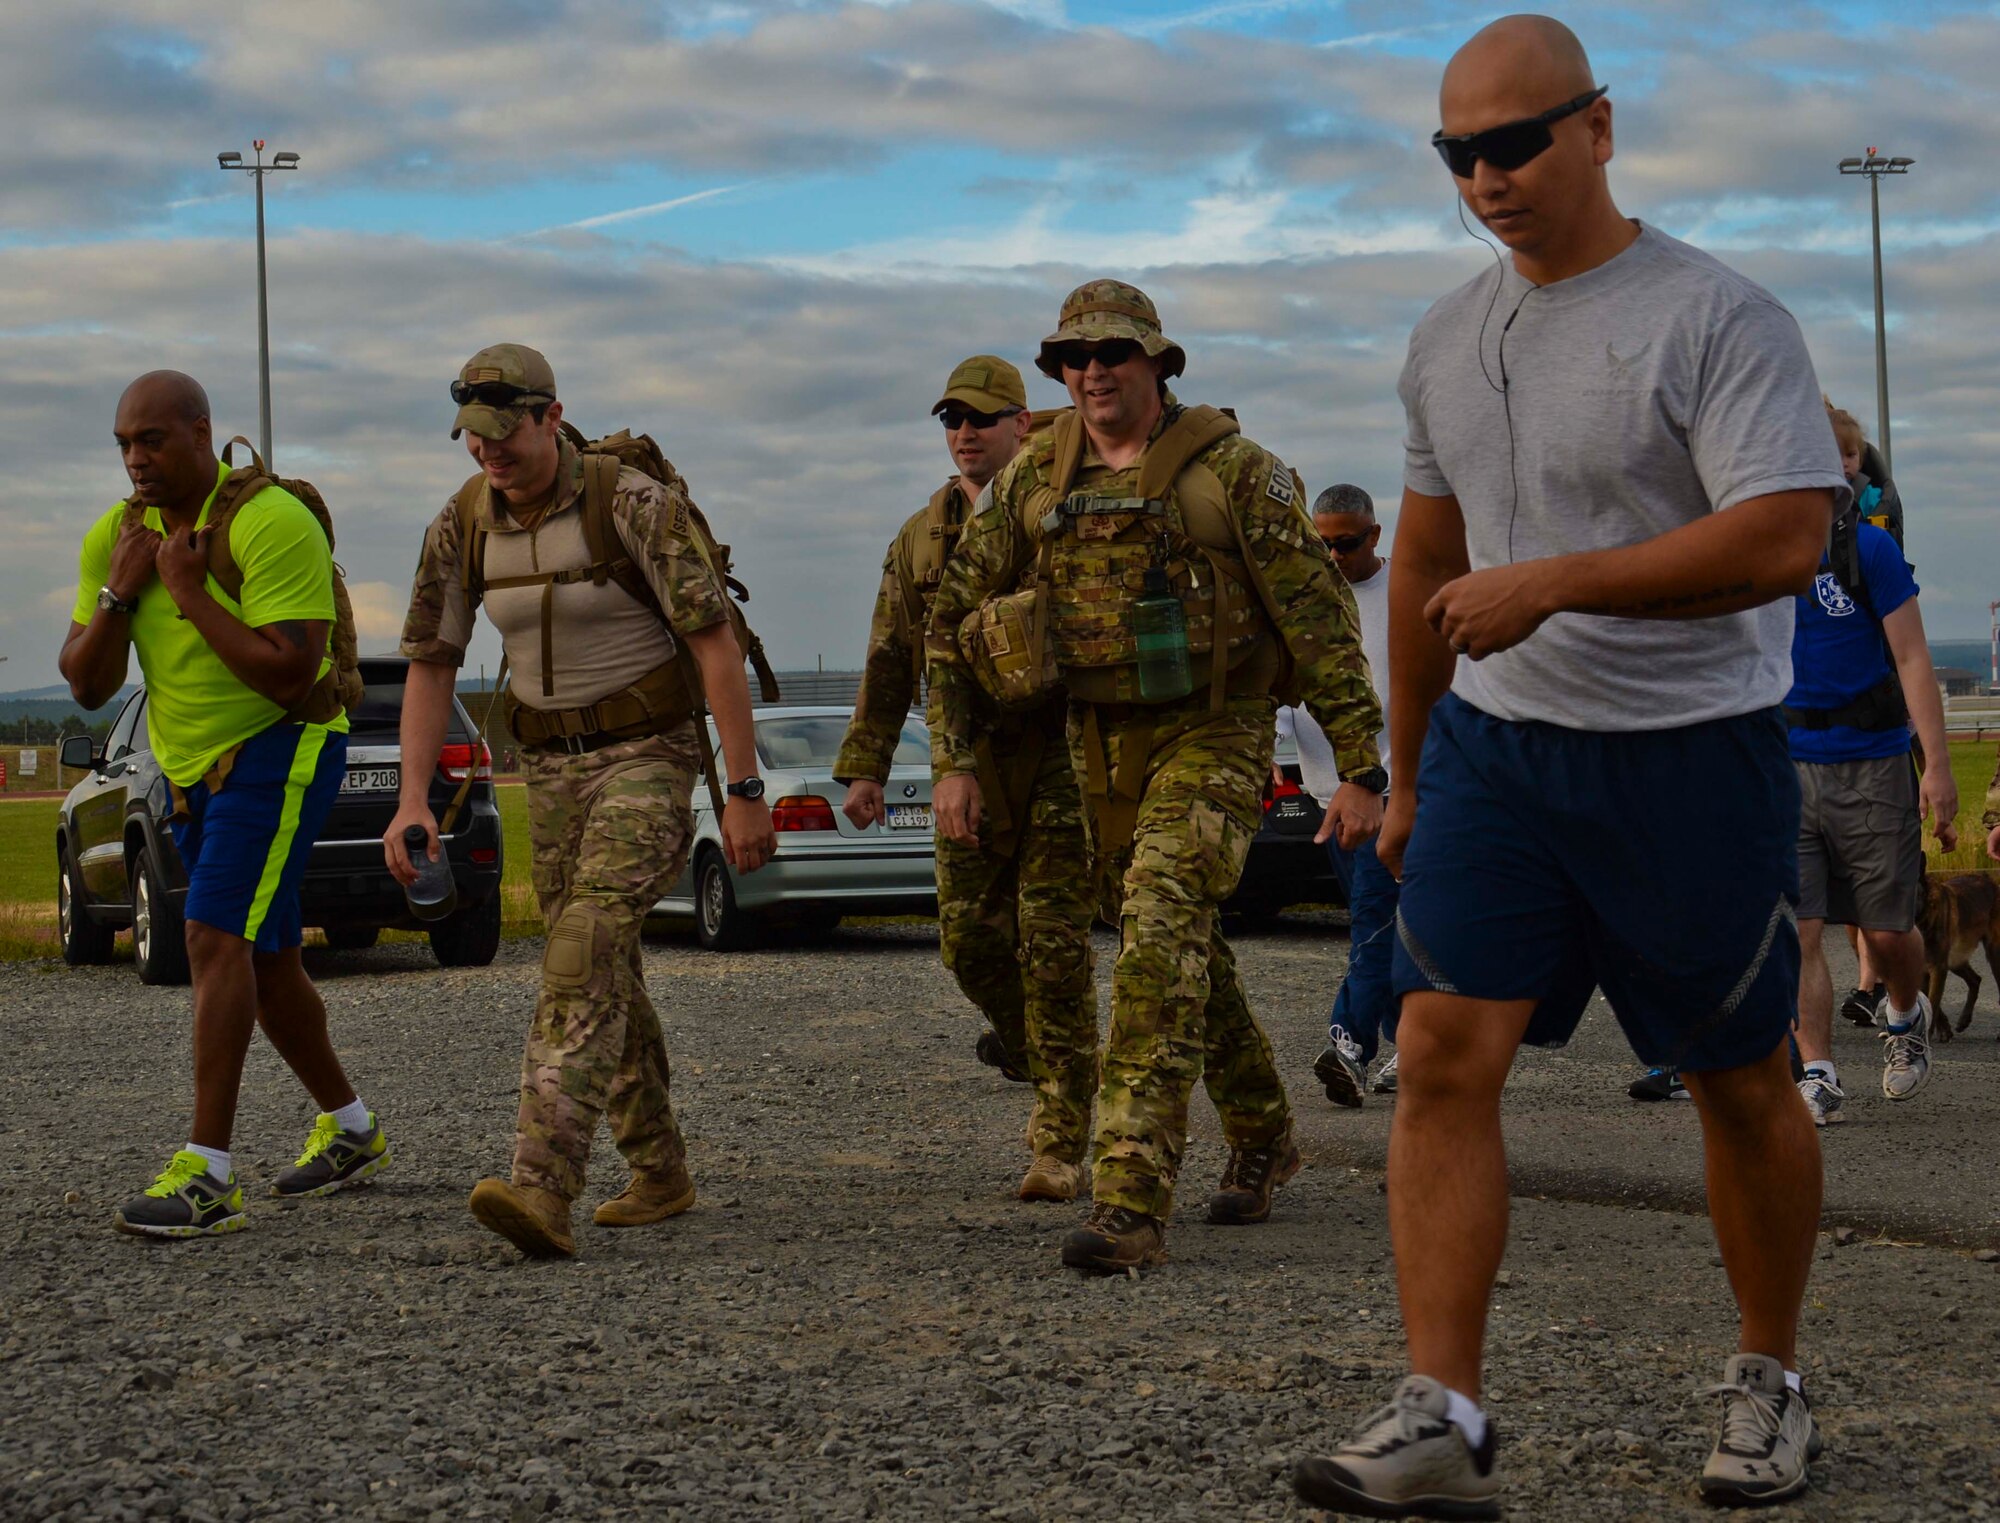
x=1408, y=1460
x=1114, y=1240
x=1385, y=1076
x=1659, y=1084
x=334, y=1159
x=1768, y=1436
x=1861, y=1004
x=1823, y=1098
x=1906, y=1055
x=1338, y=1067
x=185, y=1201
x=991, y=1051
x=1250, y=1180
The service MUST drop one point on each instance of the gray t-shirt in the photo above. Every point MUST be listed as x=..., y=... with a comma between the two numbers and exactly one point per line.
x=1645, y=394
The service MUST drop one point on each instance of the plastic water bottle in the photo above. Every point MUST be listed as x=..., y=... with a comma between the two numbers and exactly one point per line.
x=1159, y=625
x=434, y=895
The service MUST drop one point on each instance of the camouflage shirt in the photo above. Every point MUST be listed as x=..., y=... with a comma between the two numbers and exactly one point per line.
x=1316, y=615
x=603, y=641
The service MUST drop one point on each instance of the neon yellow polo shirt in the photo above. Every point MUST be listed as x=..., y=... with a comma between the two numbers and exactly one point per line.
x=196, y=707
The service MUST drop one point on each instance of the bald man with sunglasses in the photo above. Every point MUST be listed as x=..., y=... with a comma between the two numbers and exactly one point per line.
x=1617, y=476
x=1014, y=904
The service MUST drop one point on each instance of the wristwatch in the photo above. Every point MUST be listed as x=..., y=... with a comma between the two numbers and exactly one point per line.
x=110, y=602
x=751, y=788
x=1374, y=779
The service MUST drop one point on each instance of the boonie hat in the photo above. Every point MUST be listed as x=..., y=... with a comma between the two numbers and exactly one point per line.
x=1102, y=309
x=507, y=365
x=984, y=383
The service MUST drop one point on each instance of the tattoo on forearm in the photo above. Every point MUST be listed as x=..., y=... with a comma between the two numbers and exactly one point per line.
x=1680, y=602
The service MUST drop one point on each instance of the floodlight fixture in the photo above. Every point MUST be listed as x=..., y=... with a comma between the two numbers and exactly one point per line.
x=1873, y=167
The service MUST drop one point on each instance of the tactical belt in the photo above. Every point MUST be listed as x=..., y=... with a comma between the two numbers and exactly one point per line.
x=579, y=745
x=1881, y=707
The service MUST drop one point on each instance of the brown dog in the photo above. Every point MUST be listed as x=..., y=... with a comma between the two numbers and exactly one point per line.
x=1960, y=914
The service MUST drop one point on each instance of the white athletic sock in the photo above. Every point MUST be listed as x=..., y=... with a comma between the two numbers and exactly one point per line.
x=1900, y=1020
x=351, y=1117
x=1795, y=1382
x=217, y=1160
x=1464, y=1411
x=1822, y=1068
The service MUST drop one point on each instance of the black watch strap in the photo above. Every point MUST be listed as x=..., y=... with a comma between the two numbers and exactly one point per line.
x=749, y=788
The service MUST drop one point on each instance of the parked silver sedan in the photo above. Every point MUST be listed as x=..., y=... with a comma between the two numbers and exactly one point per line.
x=825, y=868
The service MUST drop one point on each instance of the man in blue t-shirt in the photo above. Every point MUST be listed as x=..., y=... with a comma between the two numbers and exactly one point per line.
x=1861, y=682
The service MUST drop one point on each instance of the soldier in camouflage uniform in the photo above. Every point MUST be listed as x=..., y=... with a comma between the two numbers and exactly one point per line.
x=609, y=766
x=1136, y=495
x=1014, y=905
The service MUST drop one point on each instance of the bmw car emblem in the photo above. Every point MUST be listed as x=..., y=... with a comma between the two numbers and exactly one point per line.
x=909, y=790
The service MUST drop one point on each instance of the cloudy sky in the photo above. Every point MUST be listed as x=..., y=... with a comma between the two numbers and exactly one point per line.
x=764, y=231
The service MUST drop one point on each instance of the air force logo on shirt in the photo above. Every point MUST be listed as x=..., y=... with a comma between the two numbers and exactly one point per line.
x=1832, y=596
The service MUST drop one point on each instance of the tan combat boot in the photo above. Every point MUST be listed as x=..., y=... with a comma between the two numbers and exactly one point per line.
x=534, y=1221
x=648, y=1198
x=1050, y=1178
x=1253, y=1176
x=1114, y=1240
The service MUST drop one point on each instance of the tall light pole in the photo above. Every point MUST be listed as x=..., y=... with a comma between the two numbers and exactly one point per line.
x=1874, y=166
x=257, y=169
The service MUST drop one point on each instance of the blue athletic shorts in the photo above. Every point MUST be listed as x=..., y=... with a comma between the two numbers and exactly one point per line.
x=1659, y=865
x=245, y=848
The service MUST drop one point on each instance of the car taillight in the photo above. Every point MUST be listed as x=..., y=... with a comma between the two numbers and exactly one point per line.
x=483, y=856
x=453, y=760
x=806, y=811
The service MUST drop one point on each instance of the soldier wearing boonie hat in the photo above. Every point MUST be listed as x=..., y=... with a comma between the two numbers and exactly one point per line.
x=1014, y=907
x=593, y=574
x=1130, y=495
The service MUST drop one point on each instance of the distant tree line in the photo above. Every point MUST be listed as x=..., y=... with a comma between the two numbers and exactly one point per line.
x=46, y=732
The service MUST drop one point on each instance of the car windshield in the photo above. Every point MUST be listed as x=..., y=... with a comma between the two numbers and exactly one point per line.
x=813, y=740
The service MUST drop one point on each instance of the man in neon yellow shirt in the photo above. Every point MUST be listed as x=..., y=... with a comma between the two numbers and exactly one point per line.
x=222, y=677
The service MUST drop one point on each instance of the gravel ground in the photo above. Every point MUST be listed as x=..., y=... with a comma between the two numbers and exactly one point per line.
x=857, y=1320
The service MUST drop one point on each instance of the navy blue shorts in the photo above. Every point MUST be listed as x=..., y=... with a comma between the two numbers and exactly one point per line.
x=245, y=848
x=1659, y=865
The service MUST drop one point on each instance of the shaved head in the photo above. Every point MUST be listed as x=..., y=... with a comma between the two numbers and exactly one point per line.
x=1514, y=67
x=169, y=389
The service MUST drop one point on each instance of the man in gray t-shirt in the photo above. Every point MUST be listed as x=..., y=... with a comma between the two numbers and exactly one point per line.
x=1618, y=474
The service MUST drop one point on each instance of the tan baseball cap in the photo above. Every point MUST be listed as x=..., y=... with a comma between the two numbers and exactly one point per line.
x=984, y=383
x=513, y=365
x=1102, y=309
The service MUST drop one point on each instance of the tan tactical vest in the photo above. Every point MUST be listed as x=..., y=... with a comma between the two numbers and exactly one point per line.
x=930, y=546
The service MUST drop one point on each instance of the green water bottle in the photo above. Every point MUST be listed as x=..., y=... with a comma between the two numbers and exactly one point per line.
x=1159, y=624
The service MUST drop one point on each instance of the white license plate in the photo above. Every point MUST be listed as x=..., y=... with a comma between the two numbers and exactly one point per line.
x=909, y=816
x=372, y=780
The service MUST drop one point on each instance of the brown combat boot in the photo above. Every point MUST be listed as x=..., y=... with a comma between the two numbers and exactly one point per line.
x=534, y=1221
x=1253, y=1176
x=648, y=1198
x=1115, y=1240
x=1050, y=1178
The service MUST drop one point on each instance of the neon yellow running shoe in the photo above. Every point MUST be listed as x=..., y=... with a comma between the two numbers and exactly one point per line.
x=334, y=1159
x=185, y=1201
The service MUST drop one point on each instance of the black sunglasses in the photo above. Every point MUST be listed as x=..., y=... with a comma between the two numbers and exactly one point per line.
x=955, y=418
x=1347, y=544
x=1112, y=353
x=1511, y=144
x=495, y=394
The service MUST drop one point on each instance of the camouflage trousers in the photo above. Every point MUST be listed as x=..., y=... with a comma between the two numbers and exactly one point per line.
x=1177, y=1006
x=1015, y=933
x=610, y=830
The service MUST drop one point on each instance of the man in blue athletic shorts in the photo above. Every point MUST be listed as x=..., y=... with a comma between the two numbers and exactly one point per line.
x=1618, y=473
x=229, y=682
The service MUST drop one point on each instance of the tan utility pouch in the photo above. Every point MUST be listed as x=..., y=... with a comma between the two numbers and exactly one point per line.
x=998, y=638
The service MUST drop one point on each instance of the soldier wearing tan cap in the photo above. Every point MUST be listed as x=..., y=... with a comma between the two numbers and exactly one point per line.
x=1014, y=906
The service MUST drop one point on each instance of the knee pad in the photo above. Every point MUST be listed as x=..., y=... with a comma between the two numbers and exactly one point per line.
x=577, y=941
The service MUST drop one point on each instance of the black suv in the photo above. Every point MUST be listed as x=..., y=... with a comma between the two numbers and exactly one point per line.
x=116, y=865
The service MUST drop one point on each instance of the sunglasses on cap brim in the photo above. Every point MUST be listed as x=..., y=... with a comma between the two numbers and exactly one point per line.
x=1511, y=144
x=1111, y=353
x=955, y=418
x=496, y=394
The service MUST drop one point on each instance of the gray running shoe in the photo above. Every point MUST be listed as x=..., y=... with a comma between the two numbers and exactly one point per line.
x=185, y=1201
x=1823, y=1098
x=1906, y=1055
x=1338, y=1067
x=1768, y=1436
x=1407, y=1461
x=1385, y=1076
x=334, y=1159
